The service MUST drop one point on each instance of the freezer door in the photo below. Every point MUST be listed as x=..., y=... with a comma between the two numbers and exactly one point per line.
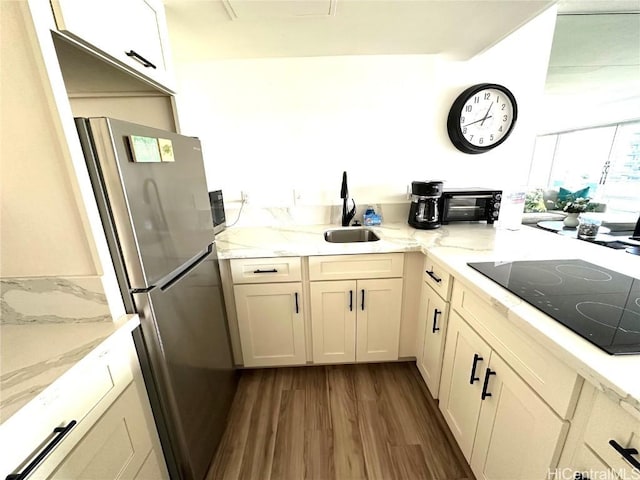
x=160, y=210
x=186, y=337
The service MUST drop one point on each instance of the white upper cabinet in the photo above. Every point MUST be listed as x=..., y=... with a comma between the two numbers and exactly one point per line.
x=131, y=32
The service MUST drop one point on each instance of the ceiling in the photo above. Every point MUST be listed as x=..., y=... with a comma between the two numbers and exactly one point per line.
x=595, y=62
x=598, y=6
x=460, y=29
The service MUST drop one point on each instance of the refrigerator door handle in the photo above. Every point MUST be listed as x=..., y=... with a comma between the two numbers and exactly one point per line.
x=187, y=270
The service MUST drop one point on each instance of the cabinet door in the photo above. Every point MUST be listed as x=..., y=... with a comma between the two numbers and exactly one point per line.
x=590, y=466
x=518, y=435
x=435, y=323
x=465, y=360
x=116, y=447
x=271, y=324
x=130, y=31
x=333, y=321
x=378, y=319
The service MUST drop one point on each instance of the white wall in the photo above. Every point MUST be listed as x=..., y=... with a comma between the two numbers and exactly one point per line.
x=270, y=126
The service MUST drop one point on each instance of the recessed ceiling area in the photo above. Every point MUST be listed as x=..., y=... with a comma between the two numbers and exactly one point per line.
x=459, y=29
x=594, y=68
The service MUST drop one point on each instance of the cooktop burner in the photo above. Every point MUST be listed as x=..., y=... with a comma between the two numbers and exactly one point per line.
x=598, y=304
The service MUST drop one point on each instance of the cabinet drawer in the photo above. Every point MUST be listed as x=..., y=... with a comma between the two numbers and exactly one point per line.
x=140, y=42
x=437, y=277
x=115, y=447
x=610, y=422
x=83, y=392
x=589, y=465
x=555, y=382
x=265, y=270
x=353, y=267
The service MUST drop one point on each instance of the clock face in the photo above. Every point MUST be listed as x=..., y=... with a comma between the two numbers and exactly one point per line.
x=481, y=118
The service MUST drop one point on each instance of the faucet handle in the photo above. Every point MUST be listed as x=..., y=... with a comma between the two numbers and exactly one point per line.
x=351, y=213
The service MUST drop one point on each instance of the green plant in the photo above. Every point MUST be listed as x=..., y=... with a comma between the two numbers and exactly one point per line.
x=534, y=201
x=575, y=205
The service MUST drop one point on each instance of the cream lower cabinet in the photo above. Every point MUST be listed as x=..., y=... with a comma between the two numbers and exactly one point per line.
x=118, y=446
x=95, y=422
x=433, y=316
x=271, y=323
x=503, y=428
x=356, y=320
x=604, y=439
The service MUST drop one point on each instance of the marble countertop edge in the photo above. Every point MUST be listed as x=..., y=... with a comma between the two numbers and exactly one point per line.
x=455, y=246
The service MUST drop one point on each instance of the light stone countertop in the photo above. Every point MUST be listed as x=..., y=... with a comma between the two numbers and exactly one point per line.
x=457, y=244
x=37, y=355
x=47, y=325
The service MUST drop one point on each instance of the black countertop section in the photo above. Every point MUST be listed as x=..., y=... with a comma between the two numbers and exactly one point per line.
x=600, y=305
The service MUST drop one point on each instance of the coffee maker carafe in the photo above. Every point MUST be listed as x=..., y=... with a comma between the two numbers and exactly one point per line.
x=424, y=205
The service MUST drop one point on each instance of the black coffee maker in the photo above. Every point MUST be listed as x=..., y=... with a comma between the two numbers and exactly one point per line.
x=424, y=205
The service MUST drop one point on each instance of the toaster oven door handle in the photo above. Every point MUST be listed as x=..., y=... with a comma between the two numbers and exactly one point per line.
x=458, y=195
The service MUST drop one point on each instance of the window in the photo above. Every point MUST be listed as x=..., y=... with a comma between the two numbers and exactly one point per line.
x=607, y=159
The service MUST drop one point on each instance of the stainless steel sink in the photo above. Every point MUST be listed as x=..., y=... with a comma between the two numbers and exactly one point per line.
x=350, y=235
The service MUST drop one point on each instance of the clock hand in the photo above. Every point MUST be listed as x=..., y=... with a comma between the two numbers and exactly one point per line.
x=481, y=120
x=487, y=114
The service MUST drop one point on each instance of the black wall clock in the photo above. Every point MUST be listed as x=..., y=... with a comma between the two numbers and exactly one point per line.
x=482, y=117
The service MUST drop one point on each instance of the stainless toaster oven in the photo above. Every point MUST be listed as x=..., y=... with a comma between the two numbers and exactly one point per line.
x=469, y=205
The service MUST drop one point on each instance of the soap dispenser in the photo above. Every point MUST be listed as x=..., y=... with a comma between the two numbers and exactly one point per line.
x=370, y=217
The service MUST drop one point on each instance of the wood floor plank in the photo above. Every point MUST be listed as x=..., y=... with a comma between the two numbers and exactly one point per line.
x=396, y=410
x=366, y=421
x=366, y=382
x=408, y=462
x=259, y=447
x=288, y=456
x=445, y=460
x=319, y=455
x=313, y=380
x=227, y=462
x=374, y=441
x=347, y=442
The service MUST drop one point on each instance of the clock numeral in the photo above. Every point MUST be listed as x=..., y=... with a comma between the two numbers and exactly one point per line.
x=476, y=99
x=468, y=108
x=503, y=106
x=504, y=118
x=464, y=130
x=487, y=95
x=481, y=141
x=491, y=137
x=498, y=99
x=500, y=129
x=470, y=137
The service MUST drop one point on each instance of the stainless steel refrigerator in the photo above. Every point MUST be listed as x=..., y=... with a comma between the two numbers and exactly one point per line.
x=153, y=199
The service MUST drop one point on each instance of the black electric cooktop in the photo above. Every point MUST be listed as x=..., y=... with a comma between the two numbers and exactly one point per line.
x=598, y=304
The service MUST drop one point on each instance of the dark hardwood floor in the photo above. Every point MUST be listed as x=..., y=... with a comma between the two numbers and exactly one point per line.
x=366, y=421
